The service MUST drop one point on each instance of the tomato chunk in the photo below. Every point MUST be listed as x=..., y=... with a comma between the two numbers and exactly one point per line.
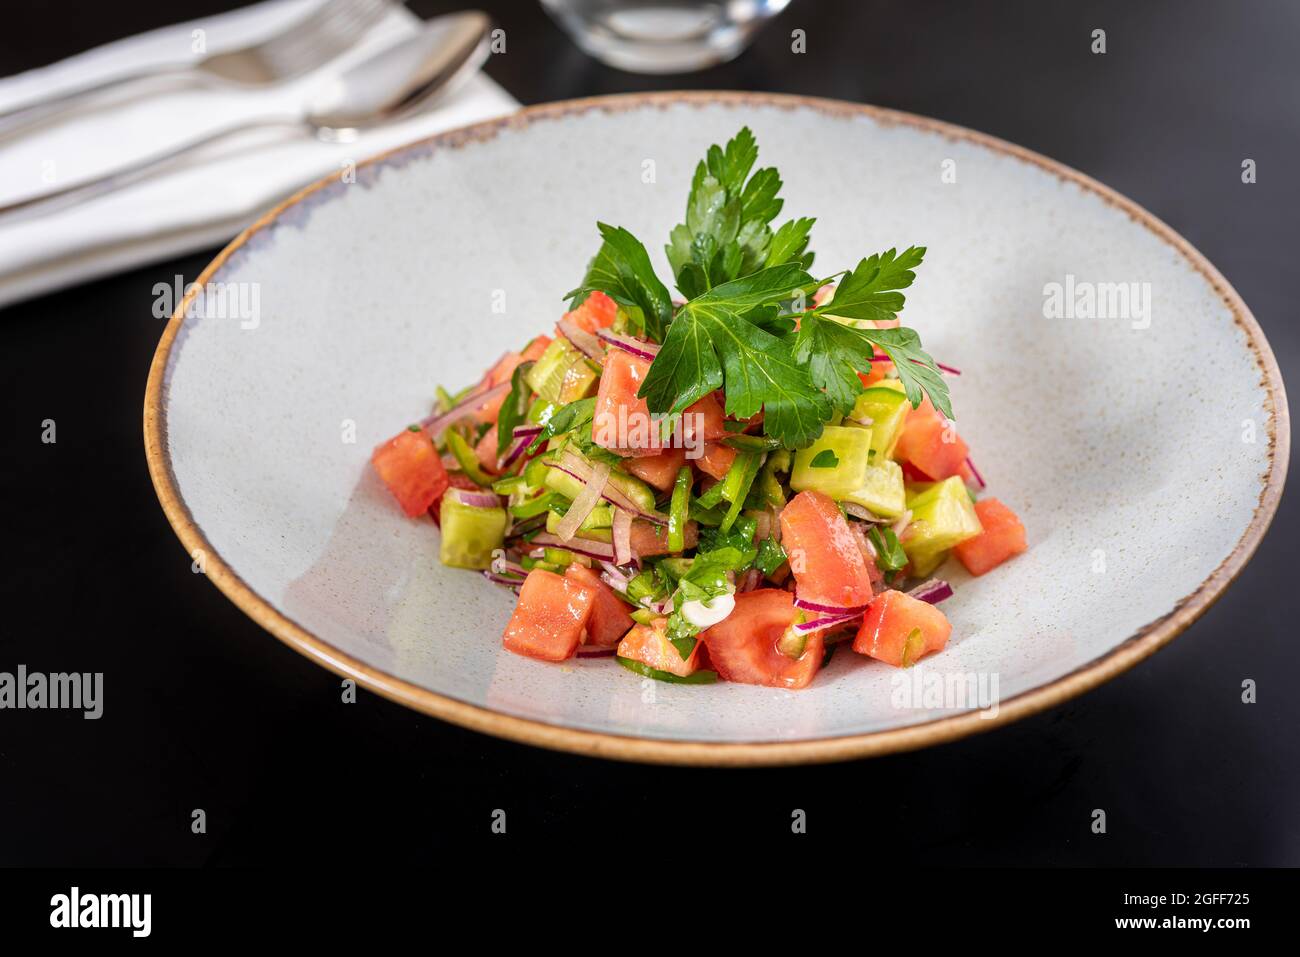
x=610, y=619
x=717, y=460
x=1003, y=538
x=899, y=629
x=825, y=557
x=548, y=621
x=743, y=646
x=658, y=470
x=410, y=466
x=503, y=370
x=486, y=450
x=649, y=540
x=930, y=445
x=596, y=312
x=649, y=645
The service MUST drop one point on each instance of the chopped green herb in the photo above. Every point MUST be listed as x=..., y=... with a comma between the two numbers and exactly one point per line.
x=825, y=459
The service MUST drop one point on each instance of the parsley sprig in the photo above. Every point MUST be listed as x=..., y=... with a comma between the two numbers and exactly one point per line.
x=746, y=285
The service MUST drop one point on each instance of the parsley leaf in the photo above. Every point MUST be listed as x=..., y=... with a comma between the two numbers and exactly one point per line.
x=889, y=553
x=574, y=416
x=514, y=408
x=771, y=556
x=622, y=270
x=834, y=350
x=717, y=333
x=726, y=234
x=825, y=459
x=871, y=290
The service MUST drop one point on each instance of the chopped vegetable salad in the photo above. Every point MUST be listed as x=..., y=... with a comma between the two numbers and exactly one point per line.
x=727, y=485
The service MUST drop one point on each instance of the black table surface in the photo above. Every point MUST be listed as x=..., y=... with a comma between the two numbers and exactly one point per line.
x=203, y=709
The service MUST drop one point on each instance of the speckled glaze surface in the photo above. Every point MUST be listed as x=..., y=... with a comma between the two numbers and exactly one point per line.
x=1144, y=487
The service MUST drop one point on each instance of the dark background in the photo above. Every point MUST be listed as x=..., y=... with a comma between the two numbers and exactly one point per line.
x=205, y=710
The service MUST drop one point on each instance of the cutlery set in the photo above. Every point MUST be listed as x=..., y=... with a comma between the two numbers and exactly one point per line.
x=396, y=82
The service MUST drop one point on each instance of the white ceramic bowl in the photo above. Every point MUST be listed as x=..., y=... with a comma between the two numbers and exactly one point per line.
x=1145, y=453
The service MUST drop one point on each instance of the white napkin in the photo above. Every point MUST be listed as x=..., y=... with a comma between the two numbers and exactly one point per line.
x=226, y=186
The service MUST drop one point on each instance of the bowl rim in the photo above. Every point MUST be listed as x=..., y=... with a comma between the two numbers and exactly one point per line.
x=1123, y=656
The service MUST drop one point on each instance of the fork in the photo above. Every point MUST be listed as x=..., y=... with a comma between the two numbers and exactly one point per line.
x=303, y=46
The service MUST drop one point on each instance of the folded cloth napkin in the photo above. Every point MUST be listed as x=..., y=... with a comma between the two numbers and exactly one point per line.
x=222, y=189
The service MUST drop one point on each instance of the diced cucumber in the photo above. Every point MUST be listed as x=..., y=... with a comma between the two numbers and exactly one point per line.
x=942, y=516
x=883, y=490
x=510, y=485
x=534, y=506
x=675, y=568
x=887, y=410
x=644, y=616
x=577, y=381
x=641, y=494
x=535, y=471
x=596, y=526
x=547, y=374
x=558, y=556
x=835, y=464
x=470, y=534
x=895, y=384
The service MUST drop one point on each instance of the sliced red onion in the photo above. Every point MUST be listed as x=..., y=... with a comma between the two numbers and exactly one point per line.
x=776, y=522
x=948, y=369
x=593, y=651
x=817, y=625
x=834, y=610
x=523, y=526
x=750, y=580
x=527, y=431
x=571, y=465
x=435, y=425
x=503, y=579
x=857, y=511
x=579, y=546
x=585, y=342
x=762, y=526
x=975, y=473
x=933, y=591
x=513, y=453
x=504, y=566
x=622, y=537
x=477, y=499
x=900, y=526
x=587, y=500
x=613, y=576
x=640, y=348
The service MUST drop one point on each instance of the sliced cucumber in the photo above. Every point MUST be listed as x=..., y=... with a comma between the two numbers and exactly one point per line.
x=883, y=490
x=644, y=616
x=641, y=494
x=470, y=534
x=836, y=464
x=887, y=410
x=591, y=527
x=942, y=516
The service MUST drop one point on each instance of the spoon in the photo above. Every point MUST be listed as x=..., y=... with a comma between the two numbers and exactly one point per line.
x=393, y=83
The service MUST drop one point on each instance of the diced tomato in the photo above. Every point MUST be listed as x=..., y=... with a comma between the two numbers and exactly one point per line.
x=621, y=420
x=649, y=540
x=704, y=420
x=596, y=312
x=410, y=466
x=743, y=646
x=1003, y=538
x=486, y=450
x=824, y=555
x=649, y=645
x=899, y=629
x=716, y=460
x=548, y=621
x=533, y=351
x=873, y=375
x=658, y=470
x=930, y=445
x=610, y=619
